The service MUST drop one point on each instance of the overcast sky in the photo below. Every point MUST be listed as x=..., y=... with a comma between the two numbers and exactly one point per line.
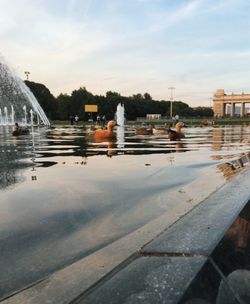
x=130, y=46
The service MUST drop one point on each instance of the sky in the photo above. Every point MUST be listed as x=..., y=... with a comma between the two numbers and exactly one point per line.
x=130, y=46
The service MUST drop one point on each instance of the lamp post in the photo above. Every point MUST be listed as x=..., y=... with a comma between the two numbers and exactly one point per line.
x=27, y=74
x=171, y=101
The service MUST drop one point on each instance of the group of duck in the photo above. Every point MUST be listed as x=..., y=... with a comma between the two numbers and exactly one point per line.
x=176, y=134
x=109, y=133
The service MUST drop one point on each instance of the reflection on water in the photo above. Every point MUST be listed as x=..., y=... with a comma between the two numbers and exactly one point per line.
x=236, y=164
x=11, y=154
x=42, y=147
x=64, y=195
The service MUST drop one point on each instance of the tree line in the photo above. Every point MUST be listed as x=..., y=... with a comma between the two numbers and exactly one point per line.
x=138, y=105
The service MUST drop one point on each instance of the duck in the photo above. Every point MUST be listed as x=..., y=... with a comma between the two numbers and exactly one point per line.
x=176, y=134
x=106, y=133
x=160, y=130
x=208, y=122
x=20, y=131
x=144, y=130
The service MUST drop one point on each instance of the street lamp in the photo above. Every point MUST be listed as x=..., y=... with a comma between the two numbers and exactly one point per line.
x=27, y=74
x=171, y=101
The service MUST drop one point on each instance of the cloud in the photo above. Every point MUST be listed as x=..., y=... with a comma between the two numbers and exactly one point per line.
x=128, y=46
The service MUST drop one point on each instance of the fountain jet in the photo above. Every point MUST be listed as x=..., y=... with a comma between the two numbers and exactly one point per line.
x=120, y=121
x=120, y=114
x=16, y=99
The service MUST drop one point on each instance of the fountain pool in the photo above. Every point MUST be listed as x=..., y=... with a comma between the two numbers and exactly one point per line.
x=64, y=197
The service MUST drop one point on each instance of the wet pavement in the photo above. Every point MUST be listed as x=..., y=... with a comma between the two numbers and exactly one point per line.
x=197, y=260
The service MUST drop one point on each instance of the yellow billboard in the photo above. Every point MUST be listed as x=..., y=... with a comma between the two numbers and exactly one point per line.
x=91, y=108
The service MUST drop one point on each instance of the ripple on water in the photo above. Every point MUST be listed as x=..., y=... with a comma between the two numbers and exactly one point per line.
x=63, y=196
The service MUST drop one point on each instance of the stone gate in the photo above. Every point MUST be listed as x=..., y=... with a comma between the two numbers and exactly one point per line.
x=222, y=100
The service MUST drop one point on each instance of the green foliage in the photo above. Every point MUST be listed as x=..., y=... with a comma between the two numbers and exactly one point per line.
x=203, y=111
x=79, y=98
x=64, y=104
x=46, y=100
x=181, y=108
x=137, y=105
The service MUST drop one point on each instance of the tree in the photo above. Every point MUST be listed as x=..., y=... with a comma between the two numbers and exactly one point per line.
x=110, y=95
x=181, y=109
x=79, y=98
x=147, y=96
x=46, y=100
x=63, y=109
x=137, y=105
x=203, y=112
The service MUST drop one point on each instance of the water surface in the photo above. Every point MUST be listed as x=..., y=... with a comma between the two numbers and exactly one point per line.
x=64, y=196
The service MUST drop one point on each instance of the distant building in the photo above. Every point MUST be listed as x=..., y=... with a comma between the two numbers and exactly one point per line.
x=153, y=116
x=234, y=104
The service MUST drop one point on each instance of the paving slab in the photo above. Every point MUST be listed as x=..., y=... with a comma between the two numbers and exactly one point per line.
x=147, y=280
x=200, y=231
x=193, y=237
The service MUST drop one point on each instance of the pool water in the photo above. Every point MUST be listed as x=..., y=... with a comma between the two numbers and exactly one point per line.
x=65, y=196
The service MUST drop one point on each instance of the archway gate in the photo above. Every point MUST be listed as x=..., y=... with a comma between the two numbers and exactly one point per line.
x=222, y=101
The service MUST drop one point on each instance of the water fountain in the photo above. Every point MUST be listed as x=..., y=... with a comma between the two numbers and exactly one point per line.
x=31, y=117
x=16, y=99
x=120, y=114
x=6, y=120
x=25, y=115
x=12, y=115
x=120, y=129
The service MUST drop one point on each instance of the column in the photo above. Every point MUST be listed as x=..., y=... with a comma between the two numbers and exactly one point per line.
x=242, y=109
x=232, y=109
x=223, y=105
